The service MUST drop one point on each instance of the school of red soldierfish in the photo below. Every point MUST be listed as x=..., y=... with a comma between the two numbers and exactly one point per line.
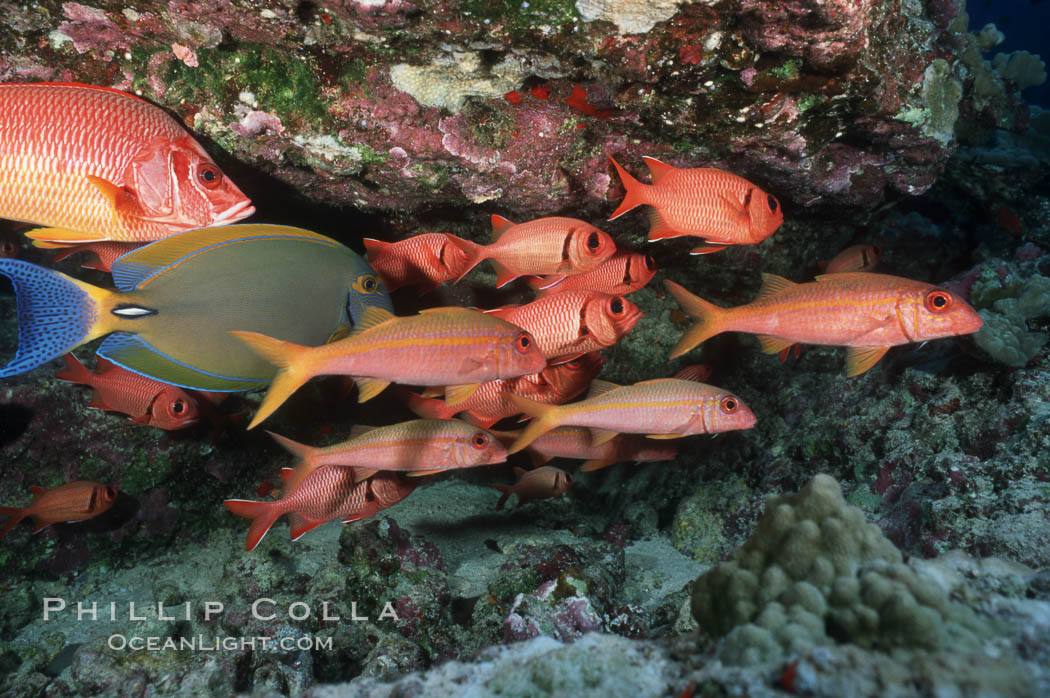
x=483, y=366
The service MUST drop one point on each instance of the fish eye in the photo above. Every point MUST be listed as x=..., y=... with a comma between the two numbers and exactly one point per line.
x=111, y=493
x=616, y=306
x=938, y=300
x=592, y=241
x=178, y=407
x=209, y=176
x=366, y=283
x=729, y=404
x=772, y=202
x=480, y=440
x=650, y=263
x=523, y=341
x=876, y=249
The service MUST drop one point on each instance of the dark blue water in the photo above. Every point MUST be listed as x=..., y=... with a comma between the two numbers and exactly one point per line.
x=1025, y=23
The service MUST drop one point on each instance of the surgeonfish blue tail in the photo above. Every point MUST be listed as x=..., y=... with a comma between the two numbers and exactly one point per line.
x=56, y=313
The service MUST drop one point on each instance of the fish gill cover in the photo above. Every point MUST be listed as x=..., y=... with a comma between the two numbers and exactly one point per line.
x=911, y=127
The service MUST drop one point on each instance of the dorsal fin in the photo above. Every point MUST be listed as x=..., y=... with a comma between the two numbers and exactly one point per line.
x=658, y=170
x=372, y=316
x=360, y=430
x=136, y=268
x=500, y=225
x=773, y=284
x=285, y=474
x=446, y=309
x=374, y=247
x=599, y=387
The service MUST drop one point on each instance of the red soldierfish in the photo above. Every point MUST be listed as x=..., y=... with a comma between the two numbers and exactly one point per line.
x=854, y=258
x=705, y=202
x=541, y=483
x=68, y=503
x=625, y=272
x=96, y=163
x=424, y=260
x=573, y=322
x=328, y=493
x=663, y=408
x=866, y=312
x=553, y=245
x=553, y=385
x=440, y=346
x=417, y=447
x=575, y=442
x=144, y=400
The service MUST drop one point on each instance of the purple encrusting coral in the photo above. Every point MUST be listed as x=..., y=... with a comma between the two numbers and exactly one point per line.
x=878, y=121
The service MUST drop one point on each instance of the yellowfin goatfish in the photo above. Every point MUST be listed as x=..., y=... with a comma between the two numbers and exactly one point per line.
x=177, y=299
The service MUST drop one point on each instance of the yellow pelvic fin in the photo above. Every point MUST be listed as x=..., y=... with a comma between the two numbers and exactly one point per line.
x=456, y=394
x=600, y=436
x=368, y=388
x=773, y=345
x=860, y=359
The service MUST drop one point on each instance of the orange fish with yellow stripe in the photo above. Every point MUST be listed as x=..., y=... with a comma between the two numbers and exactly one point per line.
x=866, y=312
x=663, y=408
x=454, y=347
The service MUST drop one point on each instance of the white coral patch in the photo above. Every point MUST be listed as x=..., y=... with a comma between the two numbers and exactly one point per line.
x=629, y=16
x=448, y=81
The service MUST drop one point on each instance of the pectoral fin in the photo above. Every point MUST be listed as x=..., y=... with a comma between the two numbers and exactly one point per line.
x=455, y=394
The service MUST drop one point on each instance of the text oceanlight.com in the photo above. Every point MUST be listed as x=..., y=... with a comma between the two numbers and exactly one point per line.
x=200, y=643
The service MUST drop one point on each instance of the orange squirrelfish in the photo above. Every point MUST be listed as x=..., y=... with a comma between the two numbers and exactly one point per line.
x=663, y=408
x=105, y=253
x=418, y=447
x=95, y=163
x=625, y=272
x=573, y=322
x=553, y=245
x=705, y=202
x=439, y=346
x=425, y=260
x=328, y=493
x=853, y=258
x=553, y=385
x=144, y=400
x=575, y=442
x=866, y=312
x=541, y=483
x=68, y=503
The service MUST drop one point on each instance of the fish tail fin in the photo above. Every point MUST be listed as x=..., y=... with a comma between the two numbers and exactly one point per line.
x=307, y=456
x=56, y=313
x=14, y=516
x=710, y=319
x=635, y=190
x=506, y=490
x=293, y=369
x=427, y=407
x=544, y=418
x=74, y=372
x=474, y=252
x=262, y=514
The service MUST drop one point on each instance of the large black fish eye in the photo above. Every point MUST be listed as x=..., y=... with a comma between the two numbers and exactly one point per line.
x=617, y=306
x=593, y=241
x=772, y=203
x=650, y=263
x=177, y=407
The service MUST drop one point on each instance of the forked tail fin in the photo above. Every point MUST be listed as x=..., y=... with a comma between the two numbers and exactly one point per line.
x=709, y=318
x=633, y=197
x=292, y=370
x=262, y=514
x=544, y=418
x=308, y=462
x=475, y=253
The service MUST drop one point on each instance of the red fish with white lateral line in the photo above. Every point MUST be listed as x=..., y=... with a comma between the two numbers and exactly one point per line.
x=625, y=272
x=868, y=313
x=68, y=503
x=416, y=447
x=454, y=347
x=328, y=493
x=555, y=245
x=94, y=163
x=574, y=322
x=718, y=206
x=144, y=400
x=575, y=443
x=541, y=483
x=663, y=408
x=422, y=260
x=553, y=385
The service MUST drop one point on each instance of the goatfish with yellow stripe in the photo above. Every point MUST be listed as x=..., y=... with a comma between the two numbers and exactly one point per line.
x=866, y=312
x=454, y=347
x=663, y=408
x=177, y=298
x=416, y=447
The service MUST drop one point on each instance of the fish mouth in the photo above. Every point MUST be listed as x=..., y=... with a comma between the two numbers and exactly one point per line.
x=234, y=213
x=632, y=320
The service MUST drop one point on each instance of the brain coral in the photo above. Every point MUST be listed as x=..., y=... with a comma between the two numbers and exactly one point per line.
x=815, y=573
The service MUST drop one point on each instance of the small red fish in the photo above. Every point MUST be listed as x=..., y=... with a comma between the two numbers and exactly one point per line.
x=853, y=258
x=144, y=400
x=325, y=494
x=571, y=323
x=541, y=483
x=625, y=272
x=553, y=385
x=68, y=503
x=578, y=101
x=705, y=202
x=553, y=245
x=105, y=253
x=425, y=260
